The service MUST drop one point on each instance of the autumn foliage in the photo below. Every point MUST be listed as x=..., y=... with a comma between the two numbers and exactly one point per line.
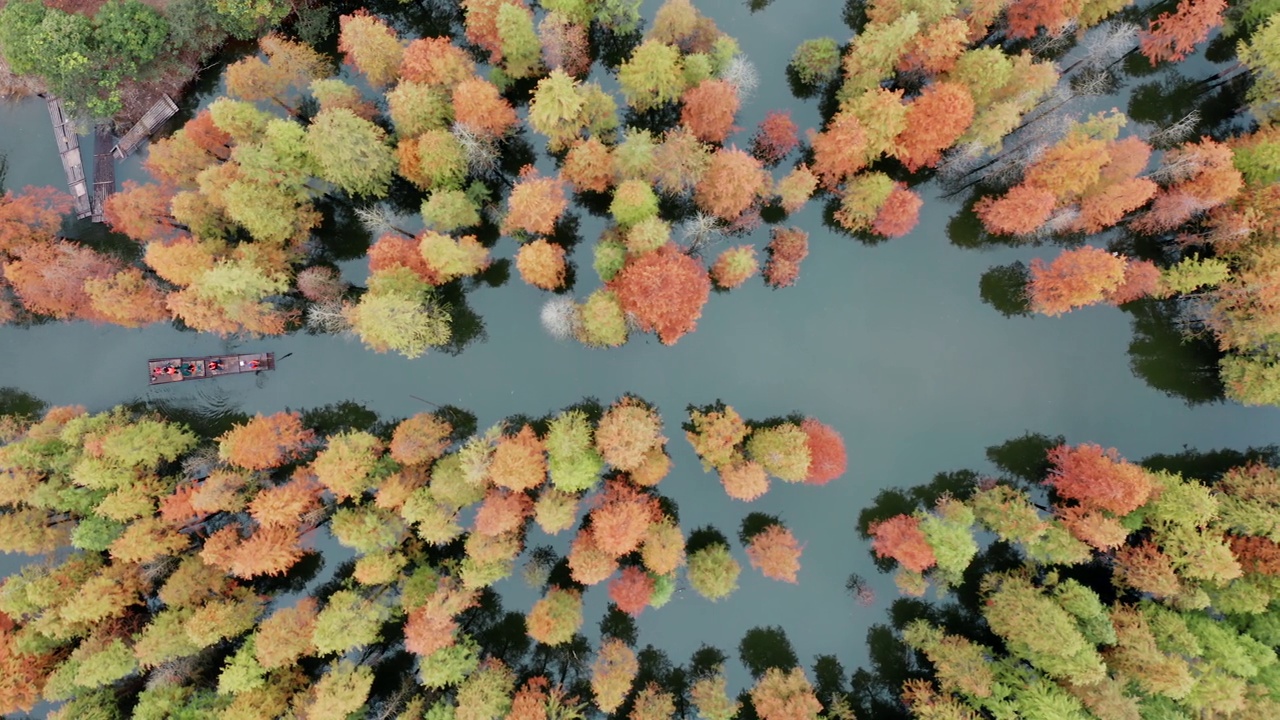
x=620, y=520
x=478, y=106
x=535, y=204
x=265, y=442
x=900, y=538
x=1020, y=211
x=775, y=138
x=708, y=110
x=627, y=433
x=826, y=452
x=935, y=120
x=1098, y=479
x=665, y=291
x=786, y=249
x=631, y=590
x=371, y=46
x=731, y=183
x=1074, y=279
x=1173, y=36
x=541, y=264
x=775, y=552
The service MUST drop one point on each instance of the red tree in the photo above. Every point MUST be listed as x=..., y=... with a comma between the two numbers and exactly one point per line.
x=1020, y=211
x=1256, y=554
x=1026, y=17
x=665, y=291
x=36, y=214
x=775, y=552
x=49, y=278
x=519, y=461
x=436, y=61
x=709, y=108
x=899, y=214
x=1108, y=206
x=840, y=150
x=587, y=563
x=731, y=183
x=535, y=203
x=392, y=251
x=745, y=480
x=502, y=512
x=420, y=439
x=631, y=590
x=482, y=24
x=935, y=120
x=265, y=442
x=1172, y=36
x=142, y=212
x=826, y=452
x=619, y=522
x=775, y=138
x=565, y=45
x=785, y=250
x=589, y=165
x=1141, y=279
x=1099, y=479
x=900, y=538
x=478, y=105
x=1075, y=278
x=205, y=134
x=1207, y=177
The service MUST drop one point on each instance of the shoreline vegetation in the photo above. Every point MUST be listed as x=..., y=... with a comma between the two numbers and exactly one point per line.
x=429, y=137
x=1071, y=583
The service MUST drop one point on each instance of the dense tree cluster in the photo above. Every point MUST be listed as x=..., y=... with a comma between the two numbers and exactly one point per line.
x=746, y=453
x=171, y=548
x=1139, y=593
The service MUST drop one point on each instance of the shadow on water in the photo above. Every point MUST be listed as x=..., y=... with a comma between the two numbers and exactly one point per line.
x=1004, y=287
x=1167, y=359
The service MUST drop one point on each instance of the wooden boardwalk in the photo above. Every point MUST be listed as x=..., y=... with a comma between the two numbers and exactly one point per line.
x=161, y=111
x=64, y=132
x=104, y=170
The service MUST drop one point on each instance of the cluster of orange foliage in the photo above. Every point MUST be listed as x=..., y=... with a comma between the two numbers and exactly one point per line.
x=664, y=291
x=1098, y=488
x=1088, y=275
x=900, y=538
x=1088, y=171
x=786, y=249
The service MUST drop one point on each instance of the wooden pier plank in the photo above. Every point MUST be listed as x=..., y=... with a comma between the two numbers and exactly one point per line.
x=64, y=133
x=164, y=109
x=104, y=170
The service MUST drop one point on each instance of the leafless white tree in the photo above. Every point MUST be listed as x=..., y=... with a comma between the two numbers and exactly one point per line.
x=559, y=317
x=327, y=317
x=481, y=150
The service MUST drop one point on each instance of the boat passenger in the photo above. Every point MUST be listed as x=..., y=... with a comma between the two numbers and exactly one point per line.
x=255, y=364
x=215, y=365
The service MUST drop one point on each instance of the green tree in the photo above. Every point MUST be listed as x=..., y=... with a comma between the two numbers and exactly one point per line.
x=521, y=48
x=130, y=33
x=652, y=76
x=352, y=152
x=248, y=19
x=399, y=313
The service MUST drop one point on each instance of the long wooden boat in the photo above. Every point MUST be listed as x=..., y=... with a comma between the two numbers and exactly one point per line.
x=170, y=370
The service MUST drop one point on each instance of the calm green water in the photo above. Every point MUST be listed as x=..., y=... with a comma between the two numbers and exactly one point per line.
x=889, y=344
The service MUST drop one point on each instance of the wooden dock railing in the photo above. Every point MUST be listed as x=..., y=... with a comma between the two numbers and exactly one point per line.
x=64, y=132
x=161, y=111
